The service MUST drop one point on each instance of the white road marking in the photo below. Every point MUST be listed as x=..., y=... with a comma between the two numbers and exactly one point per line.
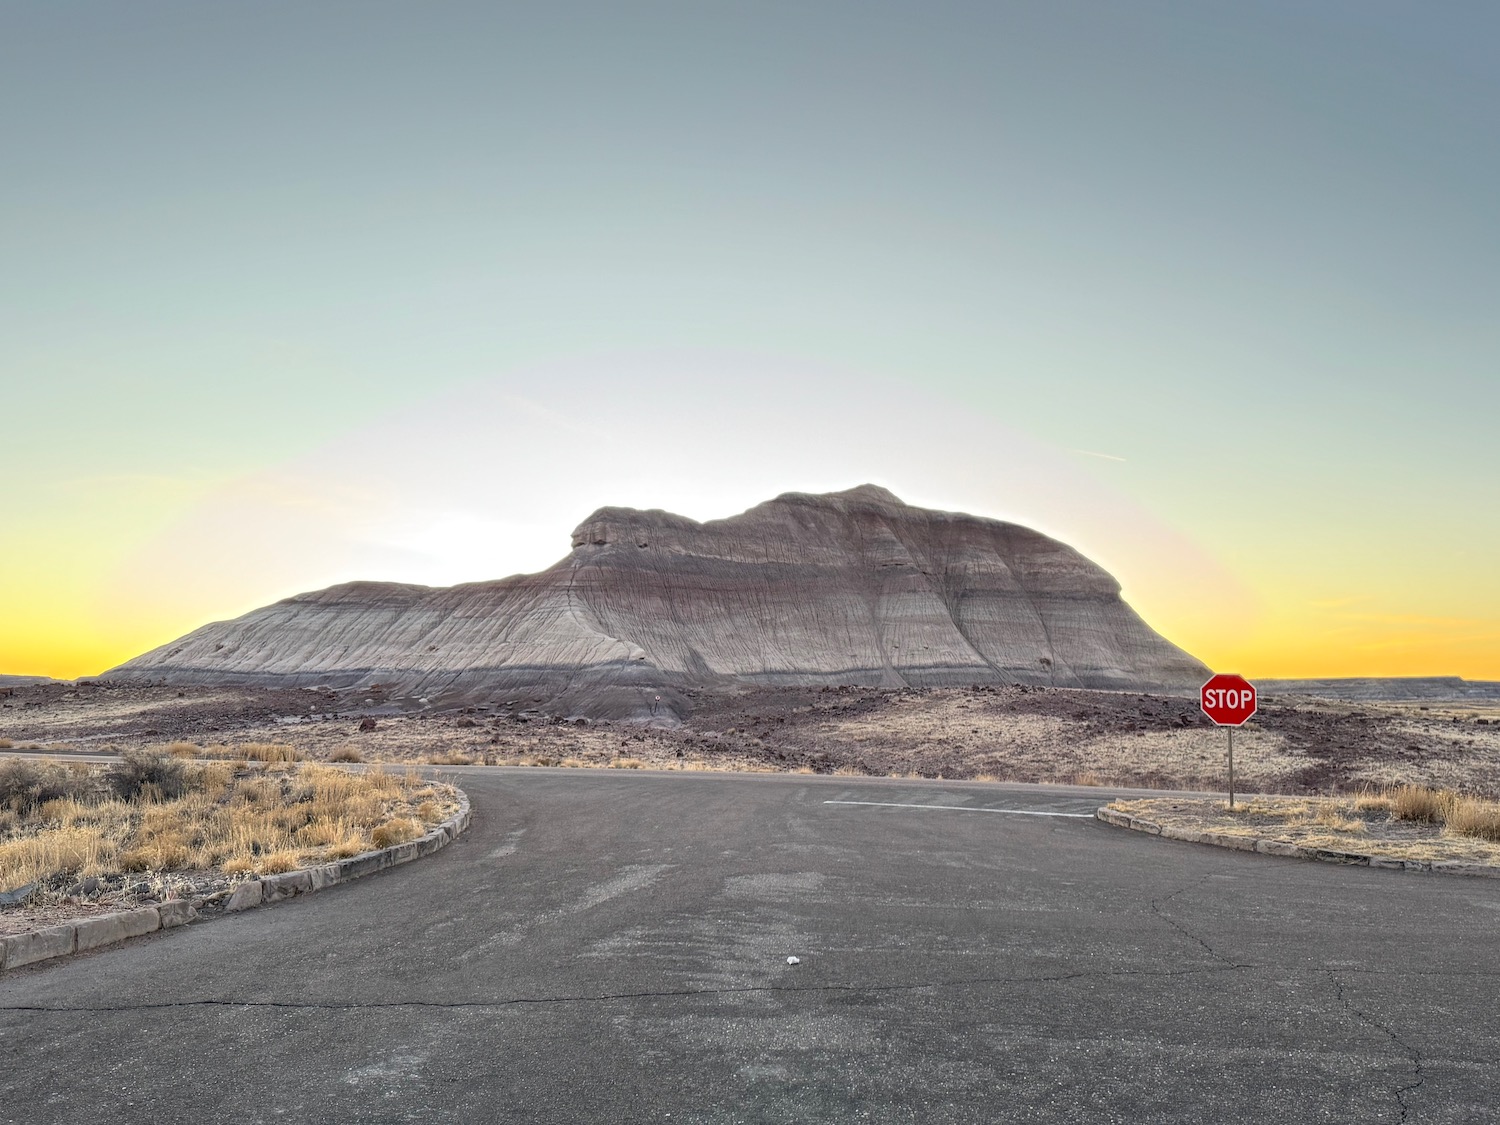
x=965, y=808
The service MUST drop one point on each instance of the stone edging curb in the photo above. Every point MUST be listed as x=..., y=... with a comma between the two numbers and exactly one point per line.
x=1265, y=846
x=106, y=929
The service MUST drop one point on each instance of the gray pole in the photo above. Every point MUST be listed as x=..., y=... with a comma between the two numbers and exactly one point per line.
x=1230, y=731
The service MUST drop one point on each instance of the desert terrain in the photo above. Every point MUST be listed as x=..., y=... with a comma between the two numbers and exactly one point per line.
x=1295, y=745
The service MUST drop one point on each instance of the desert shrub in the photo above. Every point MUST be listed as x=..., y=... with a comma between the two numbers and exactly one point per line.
x=141, y=773
x=18, y=781
x=184, y=749
x=26, y=786
x=346, y=754
x=6, y=744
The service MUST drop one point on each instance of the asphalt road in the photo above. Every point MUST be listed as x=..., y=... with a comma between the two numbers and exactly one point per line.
x=612, y=946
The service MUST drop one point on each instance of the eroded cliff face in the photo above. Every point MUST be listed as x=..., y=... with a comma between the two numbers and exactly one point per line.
x=852, y=587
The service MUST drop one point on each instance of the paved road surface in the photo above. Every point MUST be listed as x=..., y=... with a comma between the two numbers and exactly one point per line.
x=611, y=946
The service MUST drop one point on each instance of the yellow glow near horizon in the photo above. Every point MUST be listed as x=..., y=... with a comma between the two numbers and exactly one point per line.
x=99, y=588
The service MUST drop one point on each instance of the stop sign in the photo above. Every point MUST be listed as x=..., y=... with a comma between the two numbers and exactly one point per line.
x=1227, y=700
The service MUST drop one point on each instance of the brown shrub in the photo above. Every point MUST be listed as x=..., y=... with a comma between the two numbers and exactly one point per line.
x=26, y=786
x=143, y=774
x=346, y=754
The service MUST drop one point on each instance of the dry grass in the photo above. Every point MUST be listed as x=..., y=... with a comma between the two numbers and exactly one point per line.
x=267, y=752
x=6, y=744
x=59, y=822
x=1418, y=803
x=1465, y=816
x=184, y=749
x=450, y=758
x=346, y=754
x=1373, y=802
x=397, y=830
x=1330, y=815
x=627, y=764
x=1458, y=815
x=1404, y=821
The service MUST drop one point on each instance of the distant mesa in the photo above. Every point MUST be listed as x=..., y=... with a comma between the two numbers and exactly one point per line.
x=1398, y=689
x=851, y=587
x=12, y=681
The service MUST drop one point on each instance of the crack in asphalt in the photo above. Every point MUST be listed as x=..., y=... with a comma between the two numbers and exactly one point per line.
x=1156, y=905
x=605, y=997
x=1411, y=1052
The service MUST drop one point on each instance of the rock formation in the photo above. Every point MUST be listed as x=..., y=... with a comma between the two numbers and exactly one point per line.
x=850, y=587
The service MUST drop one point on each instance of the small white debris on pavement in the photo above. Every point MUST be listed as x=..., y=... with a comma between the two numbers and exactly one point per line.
x=794, y=960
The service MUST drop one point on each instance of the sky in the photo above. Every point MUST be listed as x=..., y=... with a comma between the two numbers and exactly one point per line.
x=296, y=293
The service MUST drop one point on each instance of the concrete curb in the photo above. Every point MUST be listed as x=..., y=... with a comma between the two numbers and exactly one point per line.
x=1266, y=846
x=106, y=929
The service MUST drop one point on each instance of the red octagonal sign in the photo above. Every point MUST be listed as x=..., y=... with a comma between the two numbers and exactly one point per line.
x=1227, y=700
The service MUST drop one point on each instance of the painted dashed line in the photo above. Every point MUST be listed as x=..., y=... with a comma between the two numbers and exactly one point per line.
x=966, y=808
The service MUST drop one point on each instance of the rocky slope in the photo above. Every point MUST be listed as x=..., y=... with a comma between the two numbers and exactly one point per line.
x=852, y=587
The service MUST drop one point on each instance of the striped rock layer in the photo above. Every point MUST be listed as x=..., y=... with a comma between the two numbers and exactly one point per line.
x=850, y=587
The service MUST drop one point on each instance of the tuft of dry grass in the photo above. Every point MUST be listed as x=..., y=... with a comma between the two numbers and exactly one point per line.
x=267, y=752
x=1418, y=803
x=6, y=744
x=1466, y=816
x=627, y=764
x=184, y=749
x=450, y=758
x=1329, y=815
x=346, y=754
x=397, y=830
x=1373, y=802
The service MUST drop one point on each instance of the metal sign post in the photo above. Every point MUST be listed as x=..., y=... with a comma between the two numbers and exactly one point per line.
x=1229, y=732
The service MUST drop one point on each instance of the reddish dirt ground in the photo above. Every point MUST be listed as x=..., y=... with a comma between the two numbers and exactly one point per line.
x=1294, y=745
